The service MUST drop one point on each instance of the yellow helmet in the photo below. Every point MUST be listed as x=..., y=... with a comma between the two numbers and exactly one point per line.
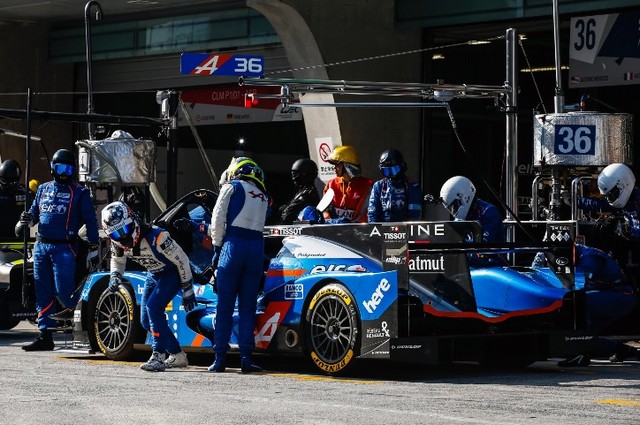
x=344, y=153
x=33, y=185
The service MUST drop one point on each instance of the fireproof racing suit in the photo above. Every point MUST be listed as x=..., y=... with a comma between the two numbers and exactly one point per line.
x=237, y=224
x=167, y=269
x=11, y=205
x=630, y=228
x=350, y=200
x=490, y=220
x=395, y=200
x=60, y=209
x=307, y=195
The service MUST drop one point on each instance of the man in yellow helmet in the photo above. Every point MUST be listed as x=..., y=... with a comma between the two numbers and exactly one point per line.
x=351, y=190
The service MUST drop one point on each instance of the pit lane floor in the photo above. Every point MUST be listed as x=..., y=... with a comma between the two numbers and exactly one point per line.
x=69, y=387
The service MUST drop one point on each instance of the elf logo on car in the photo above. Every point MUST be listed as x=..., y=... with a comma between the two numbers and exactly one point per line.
x=329, y=268
x=377, y=296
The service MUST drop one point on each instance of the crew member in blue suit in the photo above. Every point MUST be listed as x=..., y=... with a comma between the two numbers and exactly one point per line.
x=616, y=183
x=458, y=195
x=394, y=198
x=168, y=271
x=236, y=229
x=60, y=208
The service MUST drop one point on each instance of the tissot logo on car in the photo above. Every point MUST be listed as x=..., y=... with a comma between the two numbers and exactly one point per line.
x=377, y=296
x=285, y=231
x=423, y=264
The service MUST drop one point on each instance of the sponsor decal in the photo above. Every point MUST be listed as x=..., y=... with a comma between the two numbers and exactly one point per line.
x=53, y=209
x=381, y=332
x=427, y=229
x=394, y=236
x=406, y=347
x=285, y=231
x=293, y=291
x=330, y=290
x=332, y=367
x=376, y=297
x=395, y=260
x=579, y=338
x=562, y=261
x=337, y=268
x=427, y=265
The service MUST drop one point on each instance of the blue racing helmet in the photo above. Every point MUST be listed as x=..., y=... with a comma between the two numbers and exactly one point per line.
x=311, y=214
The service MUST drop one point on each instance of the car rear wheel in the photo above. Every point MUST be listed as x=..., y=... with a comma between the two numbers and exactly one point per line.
x=332, y=329
x=115, y=323
x=8, y=323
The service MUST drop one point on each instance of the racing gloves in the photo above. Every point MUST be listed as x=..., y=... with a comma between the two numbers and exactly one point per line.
x=25, y=221
x=93, y=258
x=214, y=266
x=188, y=296
x=114, y=282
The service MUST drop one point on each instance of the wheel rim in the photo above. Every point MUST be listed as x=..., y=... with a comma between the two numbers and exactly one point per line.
x=332, y=329
x=113, y=323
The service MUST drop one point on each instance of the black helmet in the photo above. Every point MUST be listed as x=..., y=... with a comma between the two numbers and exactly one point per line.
x=304, y=172
x=392, y=163
x=9, y=174
x=63, y=164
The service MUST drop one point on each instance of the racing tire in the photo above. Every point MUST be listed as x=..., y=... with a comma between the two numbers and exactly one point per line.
x=332, y=329
x=114, y=325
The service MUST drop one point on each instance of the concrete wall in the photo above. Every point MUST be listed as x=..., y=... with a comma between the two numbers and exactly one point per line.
x=345, y=30
x=25, y=68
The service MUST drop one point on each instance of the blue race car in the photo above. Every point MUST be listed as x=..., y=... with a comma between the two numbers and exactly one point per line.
x=336, y=293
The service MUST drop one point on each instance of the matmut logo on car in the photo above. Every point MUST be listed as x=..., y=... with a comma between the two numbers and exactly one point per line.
x=376, y=298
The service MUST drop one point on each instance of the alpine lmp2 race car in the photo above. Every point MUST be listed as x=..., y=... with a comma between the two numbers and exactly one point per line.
x=336, y=293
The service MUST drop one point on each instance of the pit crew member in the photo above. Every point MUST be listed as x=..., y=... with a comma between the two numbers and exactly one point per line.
x=394, y=198
x=351, y=190
x=236, y=229
x=168, y=271
x=303, y=174
x=60, y=208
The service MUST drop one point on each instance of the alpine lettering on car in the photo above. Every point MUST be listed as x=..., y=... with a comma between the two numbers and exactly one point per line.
x=426, y=265
x=427, y=229
x=377, y=296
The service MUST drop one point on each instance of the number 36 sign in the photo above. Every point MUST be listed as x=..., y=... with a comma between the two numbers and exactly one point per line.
x=221, y=64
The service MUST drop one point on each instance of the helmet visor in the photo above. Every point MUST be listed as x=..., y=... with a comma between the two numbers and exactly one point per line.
x=392, y=171
x=62, y=169
x=123, y=232
x=613, y=194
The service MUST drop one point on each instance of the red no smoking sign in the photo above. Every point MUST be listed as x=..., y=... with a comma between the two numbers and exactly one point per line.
x=324, y=151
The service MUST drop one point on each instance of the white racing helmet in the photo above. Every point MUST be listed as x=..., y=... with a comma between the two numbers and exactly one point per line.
x=120, y=224
x=457, y=195
x=616, y=182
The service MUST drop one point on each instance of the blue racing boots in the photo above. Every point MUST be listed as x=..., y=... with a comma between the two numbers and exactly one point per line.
x=219, y=363
x=248, y=366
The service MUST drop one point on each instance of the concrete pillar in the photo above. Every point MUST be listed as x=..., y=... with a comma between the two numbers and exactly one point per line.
x=315, y=33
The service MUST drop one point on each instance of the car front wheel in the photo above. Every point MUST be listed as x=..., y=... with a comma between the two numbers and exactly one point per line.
x=115, y=326
x=332, y=329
